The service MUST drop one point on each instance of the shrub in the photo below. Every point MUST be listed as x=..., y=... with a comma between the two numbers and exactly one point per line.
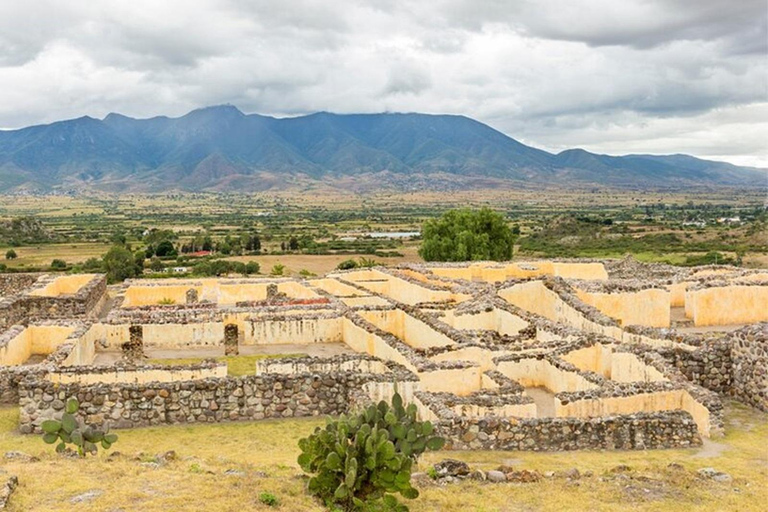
x=166, y=301
x=269, y=499
x=70, y=430
x=367, y=262
x=359, y=462
x=346, y=265
x=58, y=264
x=278, y=270
x=252, y=267
x=10, y=254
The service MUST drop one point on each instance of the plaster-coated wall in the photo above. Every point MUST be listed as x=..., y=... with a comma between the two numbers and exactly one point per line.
x=64, y=285
x=644, y=402
x=412, y=331
x=141, y=376
x=33, y=340
x=533, y=373
x=617, y=366
x=495, y=272
x=649, y=308
x=495, y=320
x=459, y=381
x=533, y=296
x=727, y=305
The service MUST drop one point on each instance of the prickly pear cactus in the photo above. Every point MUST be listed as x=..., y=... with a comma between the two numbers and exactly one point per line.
x=360, y=462
x=69, y=430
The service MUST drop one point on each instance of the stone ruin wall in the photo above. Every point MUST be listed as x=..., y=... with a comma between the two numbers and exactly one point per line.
x=25, y=307
x=139, y=397
x=749, y=355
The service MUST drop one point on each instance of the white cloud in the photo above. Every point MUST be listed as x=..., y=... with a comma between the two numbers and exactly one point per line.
x=617, y=77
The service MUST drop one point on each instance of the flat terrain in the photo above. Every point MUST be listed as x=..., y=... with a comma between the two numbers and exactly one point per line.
x=225, y=467
x=320, y=264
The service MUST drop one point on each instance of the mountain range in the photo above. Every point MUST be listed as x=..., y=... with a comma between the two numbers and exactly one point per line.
x=222, y=149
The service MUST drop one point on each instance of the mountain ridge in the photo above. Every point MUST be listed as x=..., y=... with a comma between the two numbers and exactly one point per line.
x=221, y=148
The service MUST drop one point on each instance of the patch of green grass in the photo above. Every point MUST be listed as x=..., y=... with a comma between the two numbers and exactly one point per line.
x=237, y=366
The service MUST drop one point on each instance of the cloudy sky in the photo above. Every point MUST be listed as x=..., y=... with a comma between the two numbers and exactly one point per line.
x=611, y=76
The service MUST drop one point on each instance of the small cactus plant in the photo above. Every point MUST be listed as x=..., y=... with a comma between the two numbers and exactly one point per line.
x=70, y=430
x=359, y=462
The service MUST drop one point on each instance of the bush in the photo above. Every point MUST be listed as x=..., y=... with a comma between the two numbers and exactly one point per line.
x=346, y=265
x=120, y=264
x=278, y=270
x=70, y=430
x=10, y=255
x=359, y=462
x=269, y=499
x=252, y=267
x=467, y=235
x=58, y=265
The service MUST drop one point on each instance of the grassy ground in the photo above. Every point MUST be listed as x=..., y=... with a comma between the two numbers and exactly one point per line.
x=263, y=457
x=237, y=366
x=323, y=263
x=42, y=255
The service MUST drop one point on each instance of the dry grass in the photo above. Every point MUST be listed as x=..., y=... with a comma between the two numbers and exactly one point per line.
x=265, y=452
x=42, y=255
x=237, y=366
x=323, y=263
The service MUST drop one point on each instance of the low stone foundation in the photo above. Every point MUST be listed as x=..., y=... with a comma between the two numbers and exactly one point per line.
x=640, y=431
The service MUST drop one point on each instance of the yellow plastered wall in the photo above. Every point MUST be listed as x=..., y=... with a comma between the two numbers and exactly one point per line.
x=533, y=296
x=541, y=373
x=459, y=381
x=495, y=320
x=400, y=289
x=136, y=296
x=364, y=342
x=17, y=350
x=504, y=411
x=218, y=291
x=364, y=301
x=677, y=294
x=649, y=308
x=645, y=402
x=481, y=357
x=65, y=285
x=336, y=288
x=169, y=335
x=84, y=349
x=34, y=340
x=138, y=376
x=727, y=305
x=293, y=330
x=617, y=366
x=495, y=272
x=412, y=331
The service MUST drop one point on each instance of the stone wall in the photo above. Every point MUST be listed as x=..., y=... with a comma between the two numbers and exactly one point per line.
x=253, y=397
x=749, y=353
x=639, y=431
x=12, y=284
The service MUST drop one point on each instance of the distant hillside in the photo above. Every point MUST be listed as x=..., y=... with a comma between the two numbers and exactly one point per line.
x=220, y=148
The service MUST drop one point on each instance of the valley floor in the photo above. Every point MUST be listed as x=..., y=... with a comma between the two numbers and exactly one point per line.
x=225, y=467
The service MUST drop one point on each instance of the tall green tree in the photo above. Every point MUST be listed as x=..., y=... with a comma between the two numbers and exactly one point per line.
x=467, y=235
x=120, y=264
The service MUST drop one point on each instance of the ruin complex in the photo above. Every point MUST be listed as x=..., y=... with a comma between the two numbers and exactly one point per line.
x=538, y=355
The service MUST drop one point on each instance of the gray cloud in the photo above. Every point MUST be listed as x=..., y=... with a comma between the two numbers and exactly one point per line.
x=636, y=75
